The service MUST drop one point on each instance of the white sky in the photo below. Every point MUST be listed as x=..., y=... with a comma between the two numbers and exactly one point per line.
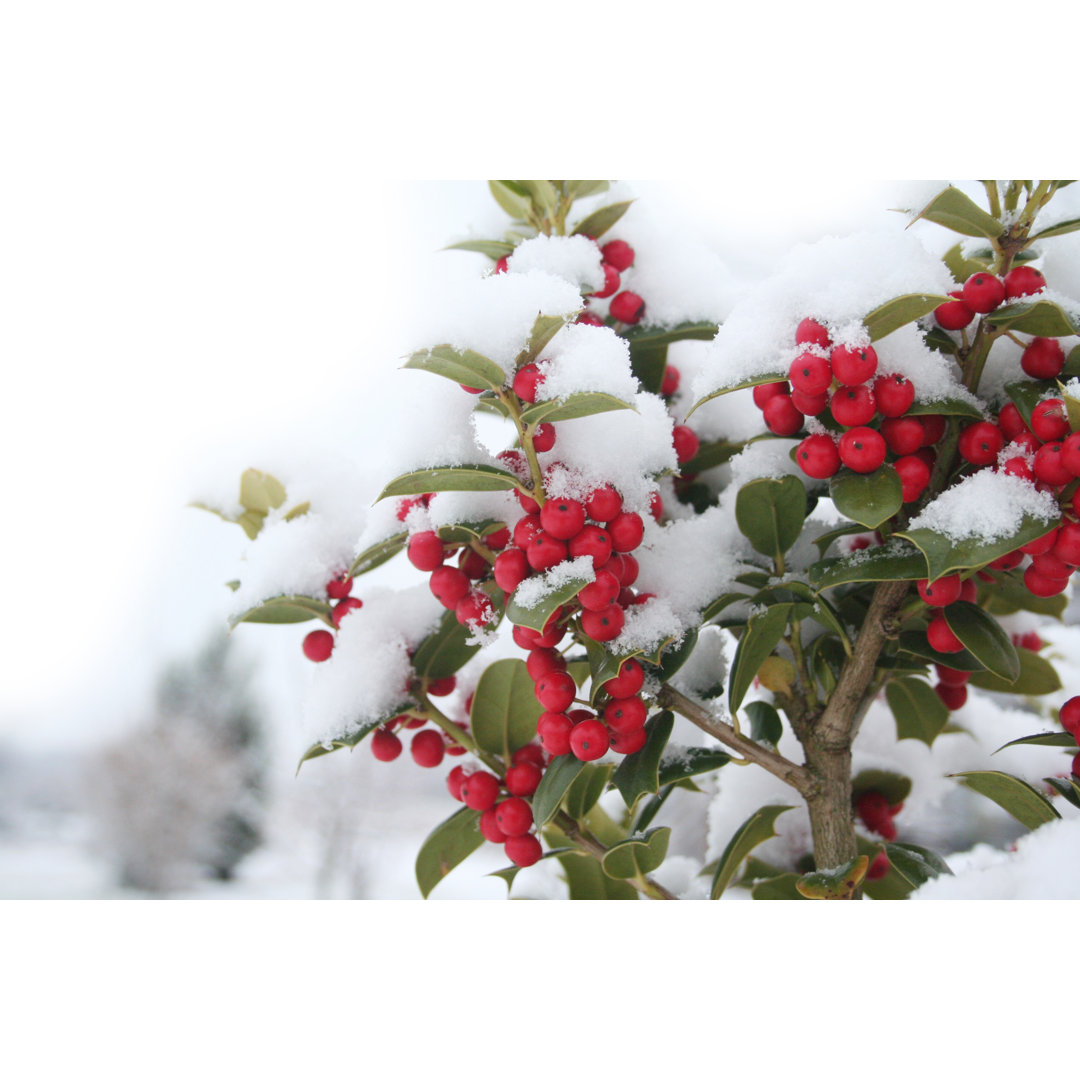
x=201, y=256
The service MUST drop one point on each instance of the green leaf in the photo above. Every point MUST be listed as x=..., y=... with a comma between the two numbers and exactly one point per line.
x=1037, y=676
x=451, y=478
x=713, y=453
x=838, y=884
x=960, y=266
x=284, y=609
x=444, y=651
x=916, y=865
x=511, y=196
x=891, y=562
x=676, y=655
x=504, y=708
x=652, y=807
x=1069, y=789
x=944, y=554
x=536, y=617
x=378, y=553
x=573, y=407
x=765, y=723
x=1013, y=795
x=756, y=829
x=602, y=219
x=586, y=788
x=983, y=638
x=1009, y=594
x=945, y=407
x=777, y=888
x=544, y=329
x=460, y=366
x=763, y=634
x=260, y=492
x=465, y=532
x=450, y=844
x=893, y=786
x=587, y=881
x=648, y=364
x=827, y=539
x=915, y=643
x=953, y=209
x=639, y=773
x=1042, y=318
x=770, y=513
x=918, y=711
x=893, y=314
x=558, y=776
x=542, y=193
x=651, y=336
x=634, y=858
x=714, y=607
x=743, y=384
x=680, y=762
x=1044, y=738
x=580, y=189
x=493, y=249
x=353, y=739
x=868, y=498
x=1060, y=229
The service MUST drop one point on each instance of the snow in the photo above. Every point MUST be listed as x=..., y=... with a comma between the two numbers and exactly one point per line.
x=765, y=459
x=531, y=592
x=575, y=258
x=582, y=359
x=986, y=506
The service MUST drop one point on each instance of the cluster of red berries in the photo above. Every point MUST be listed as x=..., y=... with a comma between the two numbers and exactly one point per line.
x=1069, y=715
x=429, y=745
x=876, y=814
x=843, y=381
x=983, y=292
x=319, y=644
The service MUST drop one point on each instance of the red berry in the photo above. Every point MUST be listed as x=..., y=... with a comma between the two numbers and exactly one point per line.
x=1043, y=358
x=612, y=281
x=591, y=541
x=479, y=791
x=590, y=318
x=656, y=504
x=878, y=868
x=1070, y=453
x=941, y=638
x=526, y=529
x=903, y=435
x=523, y=779
x=442, y=687
x=385, y=745
x=1049, y=467
x=854, y=406
x=625, y=714
x=811, y=332
x=981, y=442
x=933, y=428
x=1069, y=715
x=1038, y=585
x=605, y=624
x=629, y=742
x=502, y=265
x=1067, y=543
x=514, y=816
x=1041, y=544
x=604, y=503
x=1023, y=281
x=544, y=438
x=893, y=394
x=1049, y=565
x=427, y=748
x=589, y=740
x=686, y=443
x=556, y=691
x=449, y=585
x=527, y=382
x=554, y=732
x=781, y=416
x=670, y=381
x=562, y=518
x=473, y=564
x=627, y=307
x=763, y=393
x=953, y=697
x=339, y=611
x=969, y=591
x=625, y=568
x=511, y=569
x=1031, y=641
x=618, y=253
x=475, y=609
x=983, y=292
x=523, y=850
x=941, y=593
x=318, y=645
x=545, y=551
x=628, y=682
x=339, y=587
x=862, y=449
x=454, y=779
x=1010, y=421
x=876, y=814
x=425, y=551
x=950, y=676
x=1018, y=466
x=600, y=593
x=954, y=315
x=1075, y=769
x=853, y=366
x=810, y=373
x=626, y=530
x=810, y=404
x=818, y=457
x=489, y=827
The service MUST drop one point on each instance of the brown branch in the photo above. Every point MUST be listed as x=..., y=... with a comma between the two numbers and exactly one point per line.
x=795, y=775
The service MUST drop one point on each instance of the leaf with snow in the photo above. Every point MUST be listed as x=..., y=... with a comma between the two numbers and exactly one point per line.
x=890, y=316
x=954, y=210
x=544, y=329
x=837, y=884
x=573, y=407
x=555, y=588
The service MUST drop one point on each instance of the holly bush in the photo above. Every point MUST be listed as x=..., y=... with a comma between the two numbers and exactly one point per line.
x=869, y=481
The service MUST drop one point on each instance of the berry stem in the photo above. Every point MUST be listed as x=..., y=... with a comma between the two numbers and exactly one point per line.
x=525, y=436
x=462, y=738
